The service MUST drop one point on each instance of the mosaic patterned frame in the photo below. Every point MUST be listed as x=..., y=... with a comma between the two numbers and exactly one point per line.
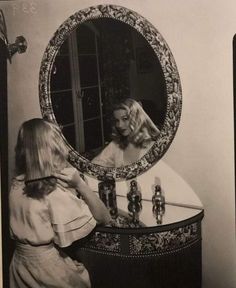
x=171, y=75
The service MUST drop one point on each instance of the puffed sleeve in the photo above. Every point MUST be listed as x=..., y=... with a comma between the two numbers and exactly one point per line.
x=106, y=157
x=70, y=217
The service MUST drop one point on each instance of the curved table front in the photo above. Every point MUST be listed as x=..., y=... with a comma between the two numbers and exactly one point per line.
x=145, y=248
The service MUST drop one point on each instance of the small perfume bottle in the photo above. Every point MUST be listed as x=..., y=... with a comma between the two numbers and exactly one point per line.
x=134, y=195
x=158, y=199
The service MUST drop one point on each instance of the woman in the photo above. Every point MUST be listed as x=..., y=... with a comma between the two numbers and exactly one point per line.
x=45, y=212
x=133, y=135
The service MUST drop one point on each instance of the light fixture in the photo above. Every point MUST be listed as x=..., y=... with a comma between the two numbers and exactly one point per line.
x=20, y=44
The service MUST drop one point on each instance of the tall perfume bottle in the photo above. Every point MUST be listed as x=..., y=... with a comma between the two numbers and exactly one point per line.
x=107, y=193
x=158, y=201
x=134, y=195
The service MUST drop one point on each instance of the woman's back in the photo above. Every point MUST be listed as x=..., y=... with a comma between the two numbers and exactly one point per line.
x=59, y=217
x=44, y=212
x=36, y=222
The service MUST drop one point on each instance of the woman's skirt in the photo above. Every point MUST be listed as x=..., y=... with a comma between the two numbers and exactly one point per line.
x=45, y=266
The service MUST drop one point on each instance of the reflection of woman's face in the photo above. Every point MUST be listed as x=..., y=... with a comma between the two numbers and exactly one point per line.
x=122, y=122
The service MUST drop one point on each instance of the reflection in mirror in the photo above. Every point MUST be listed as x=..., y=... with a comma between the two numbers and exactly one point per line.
x=133, y=134
x=100, y=55
x=101, y=62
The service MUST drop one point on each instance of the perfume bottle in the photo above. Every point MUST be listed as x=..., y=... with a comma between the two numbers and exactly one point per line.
x=134, y=195
x=158, y=201
x=107, y=193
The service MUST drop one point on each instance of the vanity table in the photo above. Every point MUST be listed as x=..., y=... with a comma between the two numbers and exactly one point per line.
x=144, y=249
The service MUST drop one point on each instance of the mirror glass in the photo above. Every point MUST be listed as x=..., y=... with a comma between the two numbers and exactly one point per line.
x=103, y=61
x=97, y=57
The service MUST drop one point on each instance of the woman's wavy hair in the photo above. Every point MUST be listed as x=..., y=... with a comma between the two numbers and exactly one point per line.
x=39, y=152
x=143, y=130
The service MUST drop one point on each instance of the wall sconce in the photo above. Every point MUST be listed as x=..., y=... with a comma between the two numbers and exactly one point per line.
x=20, y=44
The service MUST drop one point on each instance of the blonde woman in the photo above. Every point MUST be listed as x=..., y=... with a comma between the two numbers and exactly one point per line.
x=45, y=214
x=133, y=135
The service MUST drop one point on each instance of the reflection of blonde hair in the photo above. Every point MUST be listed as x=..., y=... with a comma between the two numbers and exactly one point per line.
x=40, y=151
x=143, y=129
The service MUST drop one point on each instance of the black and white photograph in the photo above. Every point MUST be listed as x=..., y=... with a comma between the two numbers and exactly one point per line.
x=117, y=124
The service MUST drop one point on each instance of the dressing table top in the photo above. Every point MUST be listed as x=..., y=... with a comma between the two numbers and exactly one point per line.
x=140, y=218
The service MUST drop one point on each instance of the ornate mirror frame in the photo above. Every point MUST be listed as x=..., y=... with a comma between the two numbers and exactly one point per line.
x=171, y=75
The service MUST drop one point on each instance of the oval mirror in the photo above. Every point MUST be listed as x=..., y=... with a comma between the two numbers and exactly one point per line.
x=96, y=58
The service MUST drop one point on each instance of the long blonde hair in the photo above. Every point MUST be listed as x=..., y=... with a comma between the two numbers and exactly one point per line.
x=39, y=152
x=143, y=129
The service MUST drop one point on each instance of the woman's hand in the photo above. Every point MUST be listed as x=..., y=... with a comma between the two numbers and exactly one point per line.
x=70, y=177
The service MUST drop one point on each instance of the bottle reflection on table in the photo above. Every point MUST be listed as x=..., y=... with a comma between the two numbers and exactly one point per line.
x=134, y=209
x=158, y=212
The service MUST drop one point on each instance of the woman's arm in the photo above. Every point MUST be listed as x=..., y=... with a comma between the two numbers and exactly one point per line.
x=71, y=178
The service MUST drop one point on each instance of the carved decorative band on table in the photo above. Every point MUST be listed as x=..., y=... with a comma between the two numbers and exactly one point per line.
x=146, y=244
x=164, y=242
x=104, y=242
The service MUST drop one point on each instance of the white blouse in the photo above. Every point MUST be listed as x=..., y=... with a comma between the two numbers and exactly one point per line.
x=60, y=216
x=113, y=156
